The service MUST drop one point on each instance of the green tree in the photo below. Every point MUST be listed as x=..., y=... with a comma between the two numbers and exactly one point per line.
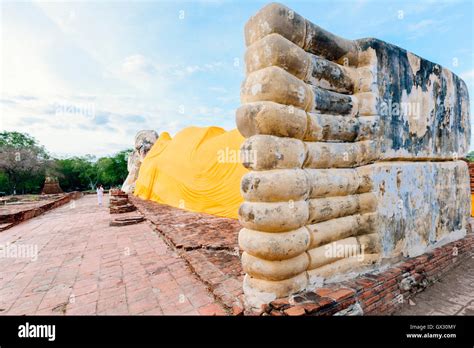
x=112, y=171
x=18, y=140
x=77, y=173
x=23, y=162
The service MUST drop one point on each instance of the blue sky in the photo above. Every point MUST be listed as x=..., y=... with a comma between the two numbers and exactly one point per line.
x=84, y=77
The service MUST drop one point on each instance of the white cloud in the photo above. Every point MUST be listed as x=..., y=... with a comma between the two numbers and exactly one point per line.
x=421, y=25
x=426, y=27
x=218, y=89
x=138, y=64
x=191, y=69
x=467, y=75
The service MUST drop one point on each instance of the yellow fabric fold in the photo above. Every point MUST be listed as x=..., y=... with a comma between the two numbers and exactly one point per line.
x=197, y=170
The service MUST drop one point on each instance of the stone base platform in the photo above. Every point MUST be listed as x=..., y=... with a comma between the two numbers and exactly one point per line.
x=381, y=293
x=209, y=246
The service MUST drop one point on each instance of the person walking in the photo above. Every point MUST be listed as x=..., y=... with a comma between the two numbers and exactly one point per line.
x=100, y=194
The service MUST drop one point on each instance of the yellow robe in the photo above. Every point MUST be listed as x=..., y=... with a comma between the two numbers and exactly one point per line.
x=198, y=170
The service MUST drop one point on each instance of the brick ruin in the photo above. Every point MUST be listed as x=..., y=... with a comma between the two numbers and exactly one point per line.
x=471, y=175
x=119, y=202
x=12, y=214
x=51, y=186
x=354, y=149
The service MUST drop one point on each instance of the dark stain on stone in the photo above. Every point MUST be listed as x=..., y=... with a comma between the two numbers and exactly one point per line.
x=395, y=76
x=251, y=216
x=256, y=183
x=332, y=102
x=245, y=184
x=382, y=188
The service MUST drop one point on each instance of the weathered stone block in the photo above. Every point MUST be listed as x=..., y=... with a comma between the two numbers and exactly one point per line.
x=421, y=205
x=354, y=154
x=423, y=107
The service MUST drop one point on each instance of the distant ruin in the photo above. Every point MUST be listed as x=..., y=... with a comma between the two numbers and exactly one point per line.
x=357, y=148
x=51, y=186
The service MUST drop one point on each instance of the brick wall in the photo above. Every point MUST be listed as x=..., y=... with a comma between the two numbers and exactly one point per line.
x=471, y=175
x=376, y=293
x=11, y=220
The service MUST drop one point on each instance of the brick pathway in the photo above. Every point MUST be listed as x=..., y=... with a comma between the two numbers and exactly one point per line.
x=453, y=294
x=12, y=208
x=208, y=243
x=84, y=266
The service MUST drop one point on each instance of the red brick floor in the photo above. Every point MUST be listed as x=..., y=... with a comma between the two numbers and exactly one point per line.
x=208, y=243
x=25, y=202
x=189, y=230
x=84, y=266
